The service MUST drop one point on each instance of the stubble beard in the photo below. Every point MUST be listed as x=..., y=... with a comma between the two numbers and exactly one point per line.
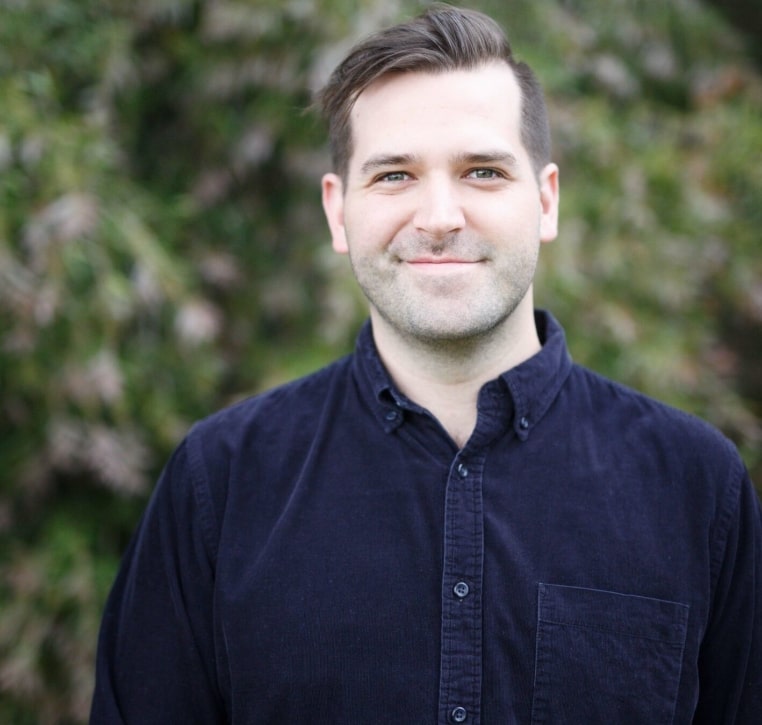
x=437, y=315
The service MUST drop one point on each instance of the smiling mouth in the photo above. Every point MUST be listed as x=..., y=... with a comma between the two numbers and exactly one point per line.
x=441, y=263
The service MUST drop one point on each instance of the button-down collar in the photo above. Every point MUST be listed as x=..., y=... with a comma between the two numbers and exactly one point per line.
x=526, y=390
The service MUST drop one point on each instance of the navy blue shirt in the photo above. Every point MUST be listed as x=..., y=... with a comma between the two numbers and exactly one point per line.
x=324, y=553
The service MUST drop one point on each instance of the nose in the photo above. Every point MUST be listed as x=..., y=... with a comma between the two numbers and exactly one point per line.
x=439, y=210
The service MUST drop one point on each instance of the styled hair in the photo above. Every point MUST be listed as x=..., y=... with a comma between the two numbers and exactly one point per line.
x=443, y=38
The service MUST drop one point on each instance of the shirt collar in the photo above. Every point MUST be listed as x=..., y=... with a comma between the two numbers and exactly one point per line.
x=535, y=383
x=532, y=385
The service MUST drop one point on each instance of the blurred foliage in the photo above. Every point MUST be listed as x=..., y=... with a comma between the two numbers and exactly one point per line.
x=163, y=252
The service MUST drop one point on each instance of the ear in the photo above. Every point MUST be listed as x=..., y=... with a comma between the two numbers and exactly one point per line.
x=549, y=198
x=333, y=206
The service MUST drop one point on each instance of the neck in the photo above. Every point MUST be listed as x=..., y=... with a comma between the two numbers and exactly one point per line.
x=445, y=376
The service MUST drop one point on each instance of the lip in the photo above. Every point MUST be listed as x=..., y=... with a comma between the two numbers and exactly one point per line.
x=440, y=262
x=442, y=268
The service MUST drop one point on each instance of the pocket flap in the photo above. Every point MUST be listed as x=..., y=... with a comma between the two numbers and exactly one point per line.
x=628, y=614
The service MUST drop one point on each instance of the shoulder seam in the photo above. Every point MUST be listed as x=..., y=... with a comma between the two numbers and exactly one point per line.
x=200, y=483
x=729, y=506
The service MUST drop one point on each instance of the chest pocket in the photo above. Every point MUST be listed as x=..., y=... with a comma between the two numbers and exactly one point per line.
x=604, y=657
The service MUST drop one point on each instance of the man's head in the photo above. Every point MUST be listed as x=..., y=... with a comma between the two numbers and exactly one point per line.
x=442, y=192
x=443, y=38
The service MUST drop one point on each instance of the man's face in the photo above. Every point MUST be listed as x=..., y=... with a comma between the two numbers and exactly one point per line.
x=441, y=212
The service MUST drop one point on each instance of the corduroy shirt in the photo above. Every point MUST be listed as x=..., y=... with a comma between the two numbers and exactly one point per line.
x=324, y=553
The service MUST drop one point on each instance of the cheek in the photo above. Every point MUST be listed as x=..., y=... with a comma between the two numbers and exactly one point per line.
x=371, y=225
x=513, y=216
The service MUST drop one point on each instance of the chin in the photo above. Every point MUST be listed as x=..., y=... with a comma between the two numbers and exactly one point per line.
x=451, y=330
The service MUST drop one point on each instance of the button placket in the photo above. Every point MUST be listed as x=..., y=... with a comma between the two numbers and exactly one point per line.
x=461, y=655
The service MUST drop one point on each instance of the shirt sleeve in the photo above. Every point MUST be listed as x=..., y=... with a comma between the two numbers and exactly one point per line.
x=730, y=665
x=156, y=653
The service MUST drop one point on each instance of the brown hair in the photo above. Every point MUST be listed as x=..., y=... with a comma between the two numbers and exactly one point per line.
x=443, y=38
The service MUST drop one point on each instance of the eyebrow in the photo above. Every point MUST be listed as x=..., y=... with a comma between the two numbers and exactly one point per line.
x=384, y=161
x=498, y=156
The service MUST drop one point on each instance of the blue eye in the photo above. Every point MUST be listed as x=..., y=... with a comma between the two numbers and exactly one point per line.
x=394, y=176
x=484, y=174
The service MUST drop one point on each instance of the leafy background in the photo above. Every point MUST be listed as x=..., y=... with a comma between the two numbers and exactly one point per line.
x=163, y=252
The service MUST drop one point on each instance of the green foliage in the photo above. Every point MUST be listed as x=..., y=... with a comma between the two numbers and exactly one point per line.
x=162, y=251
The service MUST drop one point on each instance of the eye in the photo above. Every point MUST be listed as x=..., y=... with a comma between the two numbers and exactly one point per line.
x=484, y=174
x=393, y=177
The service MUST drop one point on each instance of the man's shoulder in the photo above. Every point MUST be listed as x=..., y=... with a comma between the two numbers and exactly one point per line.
x=637, y=418
x=282, y=405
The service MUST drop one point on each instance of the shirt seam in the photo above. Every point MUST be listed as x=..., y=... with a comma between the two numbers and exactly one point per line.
x=200, y=484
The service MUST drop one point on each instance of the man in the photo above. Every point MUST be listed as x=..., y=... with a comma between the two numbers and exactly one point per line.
x=456, y=524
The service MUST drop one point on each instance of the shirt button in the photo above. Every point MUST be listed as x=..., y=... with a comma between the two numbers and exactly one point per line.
x=524, y=423
x=461, y=590
x=392, y=415
x=459, y=714
x=462, y=470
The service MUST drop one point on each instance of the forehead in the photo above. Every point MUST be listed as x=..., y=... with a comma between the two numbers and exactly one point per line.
x=427, y=110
